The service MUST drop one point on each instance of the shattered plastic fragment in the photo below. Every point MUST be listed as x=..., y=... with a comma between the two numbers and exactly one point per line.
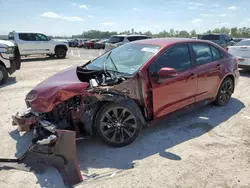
x=47, y=140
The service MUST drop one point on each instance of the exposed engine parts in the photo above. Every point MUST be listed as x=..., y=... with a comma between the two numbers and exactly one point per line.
x=99, y=78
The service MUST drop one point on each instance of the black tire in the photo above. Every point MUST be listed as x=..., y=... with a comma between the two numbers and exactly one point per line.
x=123, y=124
x=60, y=52
x=225, y=92
x=3, y=74
x=51, y=55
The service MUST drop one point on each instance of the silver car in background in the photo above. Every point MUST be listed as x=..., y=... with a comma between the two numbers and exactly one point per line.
x=118, y=40
x=242, y=51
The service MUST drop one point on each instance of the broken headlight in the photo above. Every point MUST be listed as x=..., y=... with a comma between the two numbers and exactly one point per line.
x=31, y=95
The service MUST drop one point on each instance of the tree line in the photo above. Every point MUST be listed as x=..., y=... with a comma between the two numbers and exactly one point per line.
x=234, y=32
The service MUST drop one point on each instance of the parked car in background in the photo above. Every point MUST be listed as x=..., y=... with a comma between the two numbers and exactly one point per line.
x=90, y=43
x=129, y=86
x=222, y=40
x=236, y=40
x=242, y=51
x=37, y=43
x=10, y=60
x=118, y=40
x=100, y=44
x=75, y=43
x=81, y=43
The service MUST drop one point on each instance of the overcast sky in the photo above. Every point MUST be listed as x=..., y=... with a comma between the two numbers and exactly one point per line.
x=67, y=17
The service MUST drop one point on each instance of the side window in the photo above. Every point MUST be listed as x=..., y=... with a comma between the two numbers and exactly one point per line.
x=131, y=39
x=216, y=53
x=177, y=57
x=41, y=37
x=24, y=36
x=202, y=53
x=226, y=38
x=143, y=37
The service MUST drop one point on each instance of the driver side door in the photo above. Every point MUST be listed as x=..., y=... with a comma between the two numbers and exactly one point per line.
x=174, y=93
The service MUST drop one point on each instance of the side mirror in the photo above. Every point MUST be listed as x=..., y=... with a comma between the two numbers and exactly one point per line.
x=166, y=72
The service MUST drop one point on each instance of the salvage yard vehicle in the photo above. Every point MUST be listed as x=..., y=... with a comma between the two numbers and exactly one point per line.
x=222, y=40
x=37, y=43
x=117, y=94
x=81, y=43
x=118, y=40
x=90, y=43
x=10, y=60
x=100, y=44
x=242, y=51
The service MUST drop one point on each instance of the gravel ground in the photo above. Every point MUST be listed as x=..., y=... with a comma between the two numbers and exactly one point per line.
x=208, y=147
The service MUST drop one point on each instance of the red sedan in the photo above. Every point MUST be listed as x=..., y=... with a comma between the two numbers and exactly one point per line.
x=90, y=44
x=118, y=93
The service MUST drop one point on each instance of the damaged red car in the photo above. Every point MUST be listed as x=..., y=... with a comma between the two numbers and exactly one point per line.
x=117, y=94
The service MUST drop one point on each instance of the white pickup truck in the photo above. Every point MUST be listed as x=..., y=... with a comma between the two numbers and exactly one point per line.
x=37, y=43
x=10, y=60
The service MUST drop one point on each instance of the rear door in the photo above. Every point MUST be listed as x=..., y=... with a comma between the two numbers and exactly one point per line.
x=207, y=59
x=172, y=94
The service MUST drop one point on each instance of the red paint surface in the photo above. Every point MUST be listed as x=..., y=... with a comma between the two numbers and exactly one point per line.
x=159, y=99
x=57, y=88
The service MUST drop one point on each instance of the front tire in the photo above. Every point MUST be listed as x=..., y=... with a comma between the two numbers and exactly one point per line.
x=116, y=125
x=3, y=74
x=61, y=52
x=225, y=92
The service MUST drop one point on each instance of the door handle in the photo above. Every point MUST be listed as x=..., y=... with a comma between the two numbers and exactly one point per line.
x=218, y=66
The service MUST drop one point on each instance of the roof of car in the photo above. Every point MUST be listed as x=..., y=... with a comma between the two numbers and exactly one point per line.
x=131, y=35
x=168, y=41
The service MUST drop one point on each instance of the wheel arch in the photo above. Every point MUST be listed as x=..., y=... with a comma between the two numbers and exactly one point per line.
x=227, y=76
x=61, y=46
x=89, y=120
x=1, y=63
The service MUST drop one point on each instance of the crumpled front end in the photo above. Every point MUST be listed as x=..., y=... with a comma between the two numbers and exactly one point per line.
x=50, y=146
x=69, y=103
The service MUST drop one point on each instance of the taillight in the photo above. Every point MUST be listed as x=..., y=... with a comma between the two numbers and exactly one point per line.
x=226, y=49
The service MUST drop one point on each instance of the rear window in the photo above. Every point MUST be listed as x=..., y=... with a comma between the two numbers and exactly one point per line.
x=210, y=37
x=134, y=38
x=11, y=36
x=115, y=39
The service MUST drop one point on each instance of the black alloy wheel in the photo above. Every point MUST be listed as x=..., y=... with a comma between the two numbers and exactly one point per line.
x=225, y=92
x=61, y=52
x=117, y=125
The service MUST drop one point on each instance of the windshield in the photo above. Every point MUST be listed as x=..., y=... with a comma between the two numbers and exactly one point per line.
x=115, y=39
x=125, y=59
x=243, y=43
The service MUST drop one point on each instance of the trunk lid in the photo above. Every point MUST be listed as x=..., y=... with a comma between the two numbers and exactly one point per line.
x=240, y=51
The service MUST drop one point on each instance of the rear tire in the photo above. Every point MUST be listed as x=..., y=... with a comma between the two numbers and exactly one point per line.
x=116, y=125
x=3, y=74
x=61, y=52
x=225, y=92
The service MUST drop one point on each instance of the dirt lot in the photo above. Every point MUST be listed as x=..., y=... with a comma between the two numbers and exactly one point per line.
x=209, y=147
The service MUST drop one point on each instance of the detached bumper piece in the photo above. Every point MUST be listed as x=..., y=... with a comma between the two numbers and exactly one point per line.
x=58, y=150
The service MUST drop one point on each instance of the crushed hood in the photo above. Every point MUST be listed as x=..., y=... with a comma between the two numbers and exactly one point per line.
x=57, y=88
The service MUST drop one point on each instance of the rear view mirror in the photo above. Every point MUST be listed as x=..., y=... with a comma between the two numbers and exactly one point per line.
x=166, y=72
